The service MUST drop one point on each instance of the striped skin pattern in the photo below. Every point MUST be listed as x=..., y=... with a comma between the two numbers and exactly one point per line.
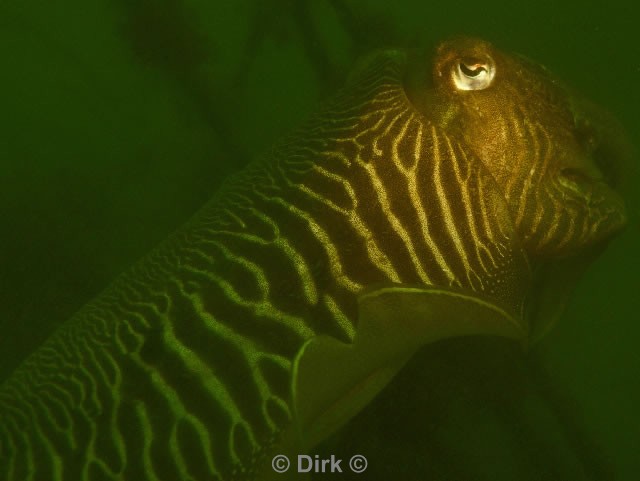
x=181, y=369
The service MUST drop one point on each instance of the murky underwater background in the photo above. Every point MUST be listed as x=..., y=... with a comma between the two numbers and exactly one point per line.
x=118, y=119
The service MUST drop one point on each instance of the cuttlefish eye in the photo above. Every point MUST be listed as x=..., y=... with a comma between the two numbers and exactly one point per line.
x=473, y=74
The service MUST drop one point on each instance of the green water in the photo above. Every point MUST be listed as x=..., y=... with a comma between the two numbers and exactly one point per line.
x=119, y=119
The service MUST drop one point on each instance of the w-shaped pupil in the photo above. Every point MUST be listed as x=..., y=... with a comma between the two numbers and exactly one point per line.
x=472, y=71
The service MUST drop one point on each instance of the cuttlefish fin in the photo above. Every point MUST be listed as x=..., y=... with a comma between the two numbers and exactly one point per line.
x=333, y=380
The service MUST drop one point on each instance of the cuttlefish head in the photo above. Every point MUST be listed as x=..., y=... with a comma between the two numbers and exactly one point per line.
x=557, y=159
x=546, y=169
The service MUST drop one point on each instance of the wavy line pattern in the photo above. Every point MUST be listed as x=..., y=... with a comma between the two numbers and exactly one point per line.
x=180, y=369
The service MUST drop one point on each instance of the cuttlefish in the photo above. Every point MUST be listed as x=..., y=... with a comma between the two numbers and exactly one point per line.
x=440, y=193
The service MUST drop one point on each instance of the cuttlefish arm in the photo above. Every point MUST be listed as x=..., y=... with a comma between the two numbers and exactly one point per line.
x=332, y=380
x=554, y=282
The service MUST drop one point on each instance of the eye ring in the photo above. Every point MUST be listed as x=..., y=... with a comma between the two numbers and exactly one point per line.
x=472, y=74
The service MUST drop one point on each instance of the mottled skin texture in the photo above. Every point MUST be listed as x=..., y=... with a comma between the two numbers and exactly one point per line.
x=466, y=173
